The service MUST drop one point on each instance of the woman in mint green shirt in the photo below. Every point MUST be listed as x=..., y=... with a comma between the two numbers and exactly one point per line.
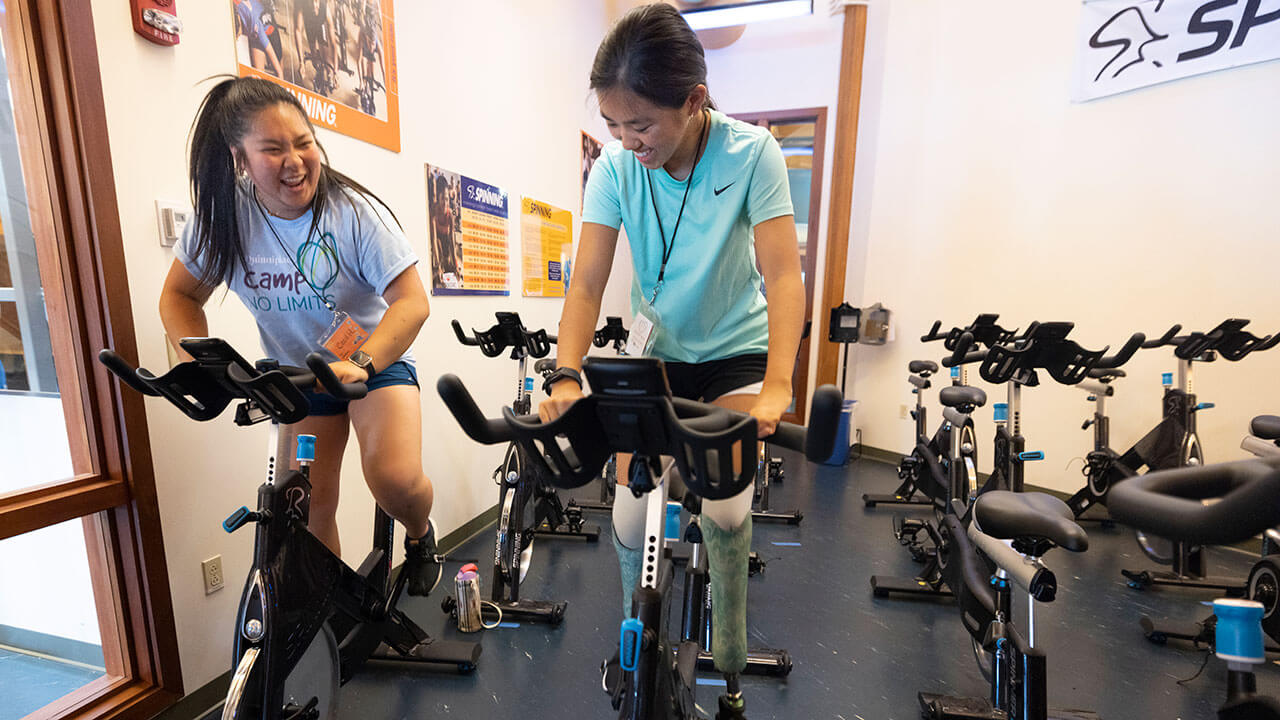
x=702, y=197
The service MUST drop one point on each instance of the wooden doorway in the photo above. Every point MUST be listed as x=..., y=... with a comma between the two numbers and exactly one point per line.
x=802, y=135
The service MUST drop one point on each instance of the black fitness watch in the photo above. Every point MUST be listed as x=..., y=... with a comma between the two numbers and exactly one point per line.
x=364, y=361
x=561, y=373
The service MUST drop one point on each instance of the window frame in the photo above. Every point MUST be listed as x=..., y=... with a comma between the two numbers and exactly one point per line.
x=60, y=118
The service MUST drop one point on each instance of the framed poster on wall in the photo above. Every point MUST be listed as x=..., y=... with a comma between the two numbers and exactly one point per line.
x=338, y=57
x=546, y=238
x=467, y=235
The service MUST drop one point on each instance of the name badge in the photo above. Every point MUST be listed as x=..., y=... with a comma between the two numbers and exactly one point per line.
x=344, y=336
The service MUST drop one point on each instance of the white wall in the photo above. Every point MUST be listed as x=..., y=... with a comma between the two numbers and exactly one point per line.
x=994, y=193
x=496, y=91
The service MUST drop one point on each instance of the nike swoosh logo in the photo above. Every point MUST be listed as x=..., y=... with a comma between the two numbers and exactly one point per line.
x=726, y=187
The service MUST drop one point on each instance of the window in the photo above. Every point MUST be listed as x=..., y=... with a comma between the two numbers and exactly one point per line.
x=71, y=478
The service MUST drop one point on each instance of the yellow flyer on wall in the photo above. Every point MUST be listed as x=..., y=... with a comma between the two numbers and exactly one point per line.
x=546, y=237
x=467, y=234
x=338, y=57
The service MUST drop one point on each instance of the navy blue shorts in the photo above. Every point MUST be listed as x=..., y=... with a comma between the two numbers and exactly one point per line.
x=400, y=373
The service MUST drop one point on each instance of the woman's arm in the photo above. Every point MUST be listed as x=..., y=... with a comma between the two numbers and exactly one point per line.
x=778, y=253
x=182, y=302
x=407, y=310
x=581, y=311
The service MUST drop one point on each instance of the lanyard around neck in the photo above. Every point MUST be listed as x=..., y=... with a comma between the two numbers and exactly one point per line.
x=688, y=183
x=266, y=219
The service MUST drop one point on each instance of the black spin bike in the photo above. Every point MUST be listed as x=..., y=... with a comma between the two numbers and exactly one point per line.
x=528, y=506
x=631, y=410
x=307, y=622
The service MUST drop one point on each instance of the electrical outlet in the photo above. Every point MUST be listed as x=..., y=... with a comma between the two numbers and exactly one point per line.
x=212, y=574
x=903, y=412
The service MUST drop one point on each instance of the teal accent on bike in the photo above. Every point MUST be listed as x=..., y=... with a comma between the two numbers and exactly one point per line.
x=306, y=448
x=236, y=519
x=629, y=643
x=1204, y=406
x=528, y=384
x=1001, y=411
x=1166, y=379
x=1031, y=455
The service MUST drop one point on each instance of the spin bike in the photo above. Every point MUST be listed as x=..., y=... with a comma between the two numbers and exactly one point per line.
x=1171, y=443
x=1014, y=363
x=307, y=622
x=1246, y=495
x=996, y=544
x=631, y=410
x=983, y=330
x=527, y=505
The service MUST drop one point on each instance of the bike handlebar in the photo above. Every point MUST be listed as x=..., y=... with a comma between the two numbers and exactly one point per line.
x=1044, y=345
x=203, y=387
x=703, y=438
x=509, y=332
x=1170, y=503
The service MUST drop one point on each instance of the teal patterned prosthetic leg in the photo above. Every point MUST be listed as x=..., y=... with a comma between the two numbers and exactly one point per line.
x=727, y=553
x=629, y=562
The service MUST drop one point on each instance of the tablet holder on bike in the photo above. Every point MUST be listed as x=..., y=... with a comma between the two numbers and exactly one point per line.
x=611, y=332
x=509, y=332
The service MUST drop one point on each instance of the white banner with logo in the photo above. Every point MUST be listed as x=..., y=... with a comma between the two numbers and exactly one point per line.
x=1131, y=44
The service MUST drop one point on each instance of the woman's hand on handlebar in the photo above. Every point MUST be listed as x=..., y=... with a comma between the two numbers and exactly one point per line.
x=346, y=373
x=772, y=401
x=563, y=394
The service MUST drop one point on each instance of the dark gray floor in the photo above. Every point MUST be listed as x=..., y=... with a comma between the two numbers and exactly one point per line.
x=29, y=682
x=856, y=657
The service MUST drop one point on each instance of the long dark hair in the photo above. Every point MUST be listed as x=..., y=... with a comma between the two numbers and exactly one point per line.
x=653, y=53
x=225, y=116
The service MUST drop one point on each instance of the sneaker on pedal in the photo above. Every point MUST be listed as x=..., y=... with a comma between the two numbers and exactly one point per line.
x=422, y=564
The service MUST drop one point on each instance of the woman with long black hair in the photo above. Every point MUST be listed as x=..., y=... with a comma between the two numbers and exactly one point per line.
x=702, y=197
x=323, y=266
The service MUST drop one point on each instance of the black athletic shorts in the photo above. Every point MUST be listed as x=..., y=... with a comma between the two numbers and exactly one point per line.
x=706, y=381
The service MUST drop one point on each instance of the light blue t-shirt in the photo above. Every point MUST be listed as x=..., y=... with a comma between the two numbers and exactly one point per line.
x=351, y=258
x=710, y=304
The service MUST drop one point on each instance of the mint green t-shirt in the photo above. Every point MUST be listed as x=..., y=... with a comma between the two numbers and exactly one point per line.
x=711, y=304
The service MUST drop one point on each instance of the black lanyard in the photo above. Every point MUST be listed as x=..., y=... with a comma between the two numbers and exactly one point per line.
x=688, y=183
x=292, y=259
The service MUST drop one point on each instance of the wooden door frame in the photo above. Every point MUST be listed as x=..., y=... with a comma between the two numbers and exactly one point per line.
x=61, y=121
x=853, y=48
x=801, y=381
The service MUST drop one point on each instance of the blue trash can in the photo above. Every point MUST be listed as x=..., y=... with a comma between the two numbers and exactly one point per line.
x=840, y=453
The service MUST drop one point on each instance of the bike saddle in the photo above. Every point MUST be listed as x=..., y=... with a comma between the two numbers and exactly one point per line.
x=919, y=367
x=1266, y=427
x=1105, y=374
x=1030, y=516
x=959, y=396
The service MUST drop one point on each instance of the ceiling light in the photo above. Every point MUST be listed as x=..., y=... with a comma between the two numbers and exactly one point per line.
x=742, y=13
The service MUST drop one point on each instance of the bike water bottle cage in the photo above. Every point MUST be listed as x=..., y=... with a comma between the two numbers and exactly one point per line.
x=630, y=644
x=509, y=332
